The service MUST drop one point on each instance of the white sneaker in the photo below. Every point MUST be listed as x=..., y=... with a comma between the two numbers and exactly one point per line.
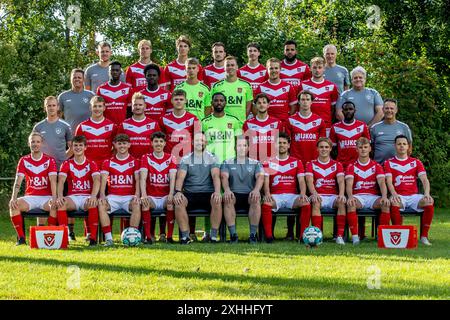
x=109, y=243
x=340, y=241
x=425, y=241
x=355, y=240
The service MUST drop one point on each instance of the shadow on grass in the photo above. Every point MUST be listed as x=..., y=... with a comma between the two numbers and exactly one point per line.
x=239, y=285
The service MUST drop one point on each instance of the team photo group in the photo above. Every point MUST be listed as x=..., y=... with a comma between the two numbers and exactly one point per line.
x=259, y=138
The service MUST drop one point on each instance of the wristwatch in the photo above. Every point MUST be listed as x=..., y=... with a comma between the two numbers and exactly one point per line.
x=176, y=191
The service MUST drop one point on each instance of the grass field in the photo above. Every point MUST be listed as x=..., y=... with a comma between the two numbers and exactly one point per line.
x=283, y=270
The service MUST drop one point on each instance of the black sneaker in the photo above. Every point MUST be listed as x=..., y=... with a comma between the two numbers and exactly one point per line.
x=147, y=241
x=269, y=240
x=193, y=237
x=252, y=239
x=92, y=243
x=234, y=238
x=169, y=240
x=21, y=241
x=289, y=237
x=213, y=240
x=72, y=236
x=186, y=241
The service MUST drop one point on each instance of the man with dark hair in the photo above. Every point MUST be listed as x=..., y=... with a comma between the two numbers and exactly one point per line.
x=117, y=94
x=253, y=72
x=215, y=72
x=157, y=99
x=293, y=71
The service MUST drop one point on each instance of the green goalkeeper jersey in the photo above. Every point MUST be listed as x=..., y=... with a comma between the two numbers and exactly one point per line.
x=220, y=135
x=198, y=98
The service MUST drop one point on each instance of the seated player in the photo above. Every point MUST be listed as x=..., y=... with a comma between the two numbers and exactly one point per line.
x=198, y=187
x=284, y=175
x=402, y=172
x=157, y=191
x=242, y=180
x=365, y=181
x=326, y=184
x=83, y=179
x=40, y=172
x=121, y=173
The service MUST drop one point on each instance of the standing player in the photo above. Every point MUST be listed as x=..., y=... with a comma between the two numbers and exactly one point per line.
x=121, y=174
x=135, y=74
x=238, y=93
x=365, y=181
x=325, y=92
x=345, y=133
x=221, y=130
x=283, y=100
x=40, y=172
x=215, y=72
x=242, y=179
x=157, y=182
x=293, y=71
x=197, y=94
x=334, y=72
x=326, y=184
x=83, y=180
x=98, y=73
x=175, y=72
x=117, y=94
x=284, y=187
x=402, y=173
x=262, y=130
x=253, y=72
x=139, y=128
x=157, y=99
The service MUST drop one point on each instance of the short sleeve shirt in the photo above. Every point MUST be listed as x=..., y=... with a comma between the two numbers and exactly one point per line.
x=198, y=172
x=242, y=174
x=364, y=100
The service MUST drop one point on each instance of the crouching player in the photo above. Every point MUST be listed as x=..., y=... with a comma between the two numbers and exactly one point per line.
x=83, y=178
x=283, y=175
x=326, y=183
x=157, y=192
x=364, y=181
x=40, y=172
x=121, y=173
x=402, y=172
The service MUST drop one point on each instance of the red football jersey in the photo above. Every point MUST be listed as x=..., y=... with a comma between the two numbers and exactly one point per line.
x=140, y=133
x=325, y=175
x=121, y=181
x=326, y=95
x=212, y=75
x=295, y=73
x=283, y=174
x=79, y=176
x=255, y=76
x=175, y=73
x=37, y=173
x=158, y=184
x=365, y=177
x=304, y=134
x=262, y=137
x=282, y=97
x=135, y=76
x=404, y=174
x=157, y=102
x=345, y=136
x=180, y=132
x=99, y=136
x=117, y=98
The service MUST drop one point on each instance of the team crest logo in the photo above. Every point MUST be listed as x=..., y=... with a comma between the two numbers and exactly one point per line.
x=272, y=126
x=131, y=164
x=149, y=127
x=85, y=100
x=299, y=69
x=284, y=89
x=292, y=165
x=327, y=88
x=314, y=123
x=261, y=73
x=124, y=91
x=45, y=165
x=49, y=239
x=161, y=97
x=358, y=129
x=108, y=128
x=368, y=97
x=249, y=169
x=399, y=132
x=239, y=90
x=230, y=125
x=396, y=237
x=333, y=167
x=200, y=94
x=58, y=130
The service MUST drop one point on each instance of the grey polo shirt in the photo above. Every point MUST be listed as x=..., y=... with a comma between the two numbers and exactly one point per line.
x=242, y=175
x=95, y=75
x=75, y=106
x=364, y=100
x=338, y=75
x=198, y=172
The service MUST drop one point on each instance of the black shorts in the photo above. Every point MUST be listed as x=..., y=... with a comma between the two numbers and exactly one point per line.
x=241, y=202
x=200, y=200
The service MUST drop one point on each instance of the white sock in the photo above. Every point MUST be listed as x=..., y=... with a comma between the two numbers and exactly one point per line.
x=108, y=236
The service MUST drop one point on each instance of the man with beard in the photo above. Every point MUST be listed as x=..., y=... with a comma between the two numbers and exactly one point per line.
x=293, y=71
x=215, y=72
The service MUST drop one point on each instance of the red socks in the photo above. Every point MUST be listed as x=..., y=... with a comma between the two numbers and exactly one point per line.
x=340, y=220
x=93, y=222
x=61, y=215
x=384, y=218
x=146, y=221
x=397, y=219
x=428, y=213
x=17, y=222
x=52, y=221
x=317, y=221
x=266, y=217
x=305, y=217
x=170, y=222
x=352, y=220
x=106, y=229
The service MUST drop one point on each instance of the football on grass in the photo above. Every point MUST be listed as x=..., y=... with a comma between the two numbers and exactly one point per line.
x=312, y=236
x=131, y=237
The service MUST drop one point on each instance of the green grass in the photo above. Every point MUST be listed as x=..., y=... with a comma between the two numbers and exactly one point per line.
x=283, y=270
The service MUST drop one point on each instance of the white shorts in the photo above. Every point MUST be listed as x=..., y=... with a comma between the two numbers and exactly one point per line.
x=160, y=202
x=119, y=202
x=284, y=201
x=411, y=202
x=36, y=202
x=328, y=201
x=79, y=201
x=367, y=200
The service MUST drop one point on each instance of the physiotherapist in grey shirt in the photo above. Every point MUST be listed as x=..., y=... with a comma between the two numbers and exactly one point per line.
x=74, y=103
x=384, y=132
x=334, y=72
x=368, y=102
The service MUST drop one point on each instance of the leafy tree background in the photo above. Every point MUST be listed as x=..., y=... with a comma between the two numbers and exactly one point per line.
x=406, y=54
